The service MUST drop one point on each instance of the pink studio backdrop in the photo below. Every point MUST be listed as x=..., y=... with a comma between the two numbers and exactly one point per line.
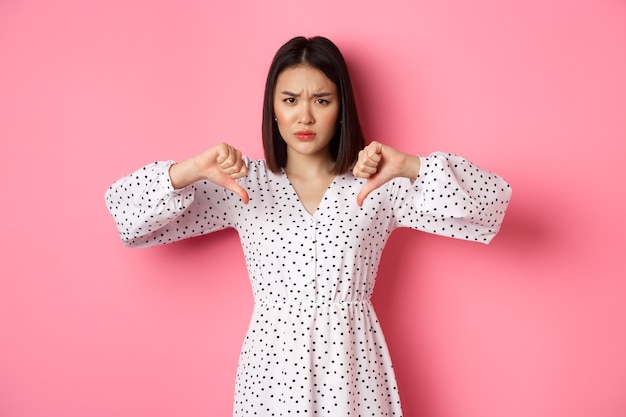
x=532, y=325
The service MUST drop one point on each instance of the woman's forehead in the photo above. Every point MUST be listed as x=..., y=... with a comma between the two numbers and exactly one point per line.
x=304, y=77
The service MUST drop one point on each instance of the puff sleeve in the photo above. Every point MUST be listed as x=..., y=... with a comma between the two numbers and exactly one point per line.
x=451, y=197
x=148, y=211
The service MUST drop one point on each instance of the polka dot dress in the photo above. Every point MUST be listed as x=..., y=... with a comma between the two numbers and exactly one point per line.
x=314, y=346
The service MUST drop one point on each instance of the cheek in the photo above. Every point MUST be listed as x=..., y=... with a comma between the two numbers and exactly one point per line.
x=281, y=121
x=282, y=124
x=282, y=115
x=331, y=120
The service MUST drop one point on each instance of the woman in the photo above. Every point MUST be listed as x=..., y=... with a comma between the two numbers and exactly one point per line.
x=313, y=218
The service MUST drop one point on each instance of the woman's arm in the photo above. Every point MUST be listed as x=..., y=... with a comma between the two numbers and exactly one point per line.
x=380, y=164
x=449, y=196
x=221, y=165
x=165, y=201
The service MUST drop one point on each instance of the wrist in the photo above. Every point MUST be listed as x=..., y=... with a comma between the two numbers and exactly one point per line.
x=184, y=173
x=412, y=166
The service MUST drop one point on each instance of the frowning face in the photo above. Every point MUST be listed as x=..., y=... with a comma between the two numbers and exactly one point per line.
x=306, y=107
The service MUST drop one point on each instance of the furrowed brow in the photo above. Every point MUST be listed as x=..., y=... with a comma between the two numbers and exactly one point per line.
x=316, y=95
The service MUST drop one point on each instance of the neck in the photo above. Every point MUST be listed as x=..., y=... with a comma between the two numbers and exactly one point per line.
x=309, y=166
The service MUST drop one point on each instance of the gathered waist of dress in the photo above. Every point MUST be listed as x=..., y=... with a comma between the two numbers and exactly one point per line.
x=304, y=303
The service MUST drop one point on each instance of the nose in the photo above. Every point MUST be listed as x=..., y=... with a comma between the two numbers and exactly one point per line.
x=306, y=115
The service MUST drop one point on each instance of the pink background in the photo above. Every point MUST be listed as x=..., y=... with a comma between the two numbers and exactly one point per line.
x=532, y=325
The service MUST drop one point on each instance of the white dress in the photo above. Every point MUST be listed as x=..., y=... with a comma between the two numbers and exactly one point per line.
x=314, y=346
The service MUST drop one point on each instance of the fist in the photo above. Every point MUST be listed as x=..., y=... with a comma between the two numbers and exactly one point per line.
x=230, y=161
x=379, y=164
x=222, y=165
x=369, y=158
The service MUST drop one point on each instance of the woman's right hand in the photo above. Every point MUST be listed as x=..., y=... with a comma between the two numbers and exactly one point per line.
x=221, y=165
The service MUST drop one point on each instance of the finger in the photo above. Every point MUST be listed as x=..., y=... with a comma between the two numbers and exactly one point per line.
x=365, y=191
x=229, y=167
x=361, y=170
x=366, y=171
x=369, y=163
x=222, y=151
x=374, y=152
x=228, y=158
x=242, y=172
x=368, y=160
x=239, y=190
x=357, y=166
x=369, y=186
x=234, y=165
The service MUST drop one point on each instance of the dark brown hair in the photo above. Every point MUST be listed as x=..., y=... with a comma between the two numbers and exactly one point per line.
x=320, y=53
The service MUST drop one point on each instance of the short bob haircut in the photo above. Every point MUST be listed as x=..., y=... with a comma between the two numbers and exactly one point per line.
x=320, y=53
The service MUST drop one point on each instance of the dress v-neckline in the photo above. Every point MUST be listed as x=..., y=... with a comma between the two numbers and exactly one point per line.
x=319, y=204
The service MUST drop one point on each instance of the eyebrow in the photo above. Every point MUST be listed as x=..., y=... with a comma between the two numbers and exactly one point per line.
x=322, y=94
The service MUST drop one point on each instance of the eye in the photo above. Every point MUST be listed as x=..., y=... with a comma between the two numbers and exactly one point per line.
x=290, y=100
x=322, y=101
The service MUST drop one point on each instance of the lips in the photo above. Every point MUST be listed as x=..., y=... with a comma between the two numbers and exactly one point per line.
x=304, y=135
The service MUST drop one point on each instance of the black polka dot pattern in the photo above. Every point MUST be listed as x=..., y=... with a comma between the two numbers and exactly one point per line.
x=314, y=346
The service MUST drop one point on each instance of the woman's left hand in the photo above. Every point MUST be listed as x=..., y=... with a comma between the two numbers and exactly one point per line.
x=381, y=163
